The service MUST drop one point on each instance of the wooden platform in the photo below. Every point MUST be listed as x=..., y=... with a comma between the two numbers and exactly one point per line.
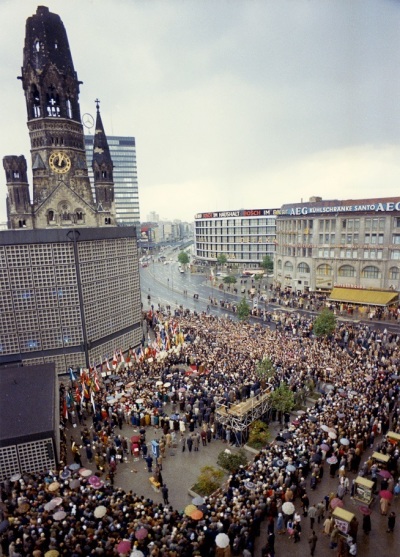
x=242, y=408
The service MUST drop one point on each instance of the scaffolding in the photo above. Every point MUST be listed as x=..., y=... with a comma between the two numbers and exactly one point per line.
x=240, y=416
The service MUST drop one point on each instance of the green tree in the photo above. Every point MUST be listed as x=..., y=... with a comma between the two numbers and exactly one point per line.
x=259, y=435
x=183, y=258
x=243, y=310
x=325, y=324
x=232, y=461
x=267, y=263
x=282, y=398
x=222, y=259
x=265, y=369
x=229, y=279
x=209, y=480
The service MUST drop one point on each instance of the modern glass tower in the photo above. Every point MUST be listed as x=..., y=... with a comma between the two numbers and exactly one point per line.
x=126, y=192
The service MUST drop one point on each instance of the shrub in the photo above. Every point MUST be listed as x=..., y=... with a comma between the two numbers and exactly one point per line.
x=209, y=480
x=232, y=461
x=259, y=435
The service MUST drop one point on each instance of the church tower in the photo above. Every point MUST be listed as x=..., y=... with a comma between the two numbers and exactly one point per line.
x=62, y=195
x=102, y=168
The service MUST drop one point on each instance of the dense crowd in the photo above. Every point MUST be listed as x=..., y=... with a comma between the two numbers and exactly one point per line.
x=206, y=361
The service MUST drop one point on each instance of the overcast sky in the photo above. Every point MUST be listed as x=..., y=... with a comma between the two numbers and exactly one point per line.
x=234, y=104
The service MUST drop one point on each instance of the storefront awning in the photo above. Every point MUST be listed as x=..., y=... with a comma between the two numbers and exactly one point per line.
x=363, y=297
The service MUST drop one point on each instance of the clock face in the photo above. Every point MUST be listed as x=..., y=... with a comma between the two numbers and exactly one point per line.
x=60, y=162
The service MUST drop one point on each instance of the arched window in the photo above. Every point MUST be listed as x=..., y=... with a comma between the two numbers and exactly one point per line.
x=79, y=214
x=324, y=269
x=52, y=102
x=371, y=272
x=288, y=266
x=69, y=108
x=394, y=273
x=50, y=216
x=347, y=271
x=279, y=264
x=35, y=99
x=303, y=268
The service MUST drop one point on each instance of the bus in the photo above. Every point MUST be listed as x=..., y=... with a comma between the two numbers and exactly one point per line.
x=252, y=272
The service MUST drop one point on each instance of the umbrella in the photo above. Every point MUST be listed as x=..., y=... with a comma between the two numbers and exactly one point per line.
x=325, y=447
x=300, y=412
x=124, y=546
x=365, y=510
x=196, y=515
x=130, y=384
x=280, y=443
x=59, y=515
x=141, y=534
x=52, y=553
x=189, y=509
x=331, y=460
x=167, y=384
x=137, y=553
x=23, y=508
x=279, y=463
x=15, y=477
x=94, y=480
x=385, y=474
x=85, y=472
x=57, y=501
x=182, y=390
x=316, y=458
x=332, y=434
x=288, y=507
x=290, y=468
x=336, y=502
x=249, y=485
x=313, y=419
x=222, y=540
x=340, y=414
x=159, y=383
x=65, y=474
x=287, y=435
x=198, y=500
x=344, y=441
x=50, y=506
x=139, y=401
x=74, y=466
x=54, y=486
x=385, y=494
x=4, y=525
x=325, y=428
x=73, y=484
x=100, y=511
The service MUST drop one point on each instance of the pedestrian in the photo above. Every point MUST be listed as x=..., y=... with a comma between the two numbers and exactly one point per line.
x=204, y=438
x=366, y=525
x=189, y=443
x=280, y=525
x=183, y=440
x=296, y=531
x=391, y=521
x=312, y=513
x=312, y=540
x=164, y=491
x=149, y=462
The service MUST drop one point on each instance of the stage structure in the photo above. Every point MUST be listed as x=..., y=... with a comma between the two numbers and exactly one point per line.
x=240, y=416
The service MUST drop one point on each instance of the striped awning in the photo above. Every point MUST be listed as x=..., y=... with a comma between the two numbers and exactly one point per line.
x=364, y=297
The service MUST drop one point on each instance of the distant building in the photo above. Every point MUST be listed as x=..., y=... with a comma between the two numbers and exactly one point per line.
x=126, y=191
x=244, y=236
x=352, y=243
x=69, y=276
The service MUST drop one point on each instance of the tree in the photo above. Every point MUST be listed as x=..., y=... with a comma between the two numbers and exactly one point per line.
x=209, y=480
x=259, y=435
x=222, y=259
x=325, y=324
x=183, y=258
x=267, y=263
x=229, y=279
x=282, y=398
x=232, y=461
x=265, y=369
x=243, y=310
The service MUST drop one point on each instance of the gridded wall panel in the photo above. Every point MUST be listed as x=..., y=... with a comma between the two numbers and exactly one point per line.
x=36, y=456
x=9, y=464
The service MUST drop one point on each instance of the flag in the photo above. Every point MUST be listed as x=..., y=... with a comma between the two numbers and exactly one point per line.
x=95, y=383
x=65, y=408
x=78, y=397
x=108, y=364
x=72, y=374
x=92, y=401
x=121, y=356
x=115, y=360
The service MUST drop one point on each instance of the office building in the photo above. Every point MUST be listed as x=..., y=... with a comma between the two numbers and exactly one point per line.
x=69, y=276
x=351, y=243
x=126, y=192
x=244, y=236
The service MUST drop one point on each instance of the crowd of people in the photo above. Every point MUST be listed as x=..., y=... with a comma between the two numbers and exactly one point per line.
x=203, y=362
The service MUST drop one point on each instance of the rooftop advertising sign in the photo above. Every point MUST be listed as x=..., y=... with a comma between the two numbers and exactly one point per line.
x=240, y=213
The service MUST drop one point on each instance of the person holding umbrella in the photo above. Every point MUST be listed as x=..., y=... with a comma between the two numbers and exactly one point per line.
x=366, y=523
